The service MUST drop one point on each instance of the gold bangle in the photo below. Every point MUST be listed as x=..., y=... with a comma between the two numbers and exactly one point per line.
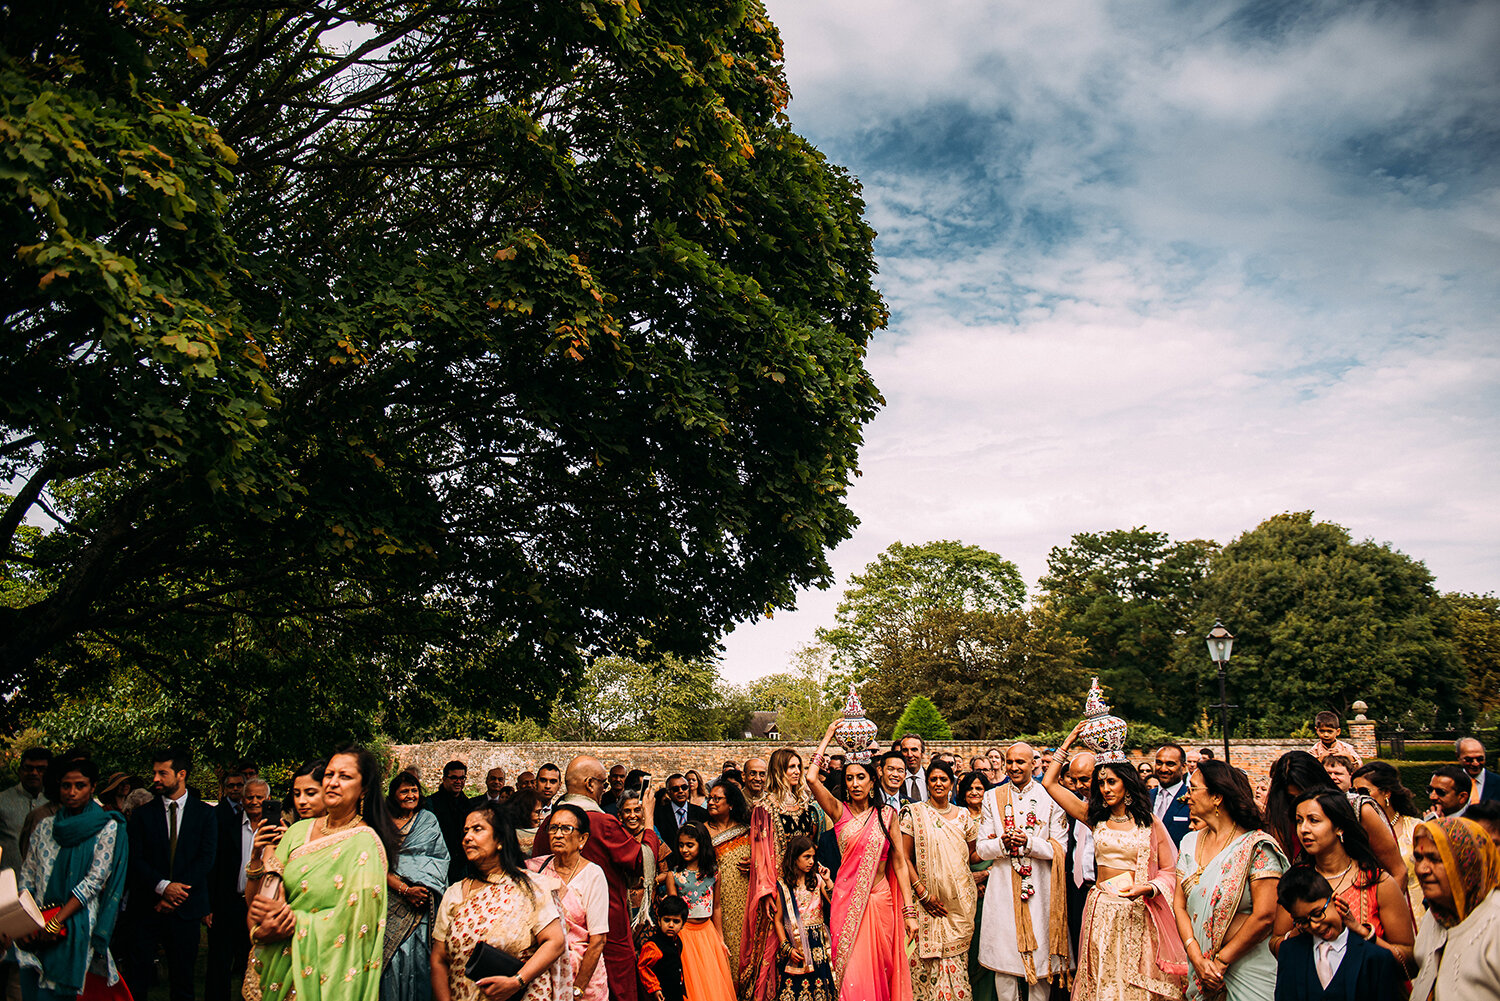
x=253, y=941
x=255, y=872
x=53, y=927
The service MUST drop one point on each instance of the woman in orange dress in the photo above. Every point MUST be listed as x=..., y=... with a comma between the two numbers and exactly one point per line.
x=1334, y=842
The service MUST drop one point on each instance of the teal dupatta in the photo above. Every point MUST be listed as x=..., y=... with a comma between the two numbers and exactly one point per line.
x=66, y=963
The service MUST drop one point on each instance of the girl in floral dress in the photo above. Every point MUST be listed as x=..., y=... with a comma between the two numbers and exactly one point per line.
x=705, y=958
x=803, y=893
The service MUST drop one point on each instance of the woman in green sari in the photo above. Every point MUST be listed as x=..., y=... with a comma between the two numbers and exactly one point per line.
x=322, y=940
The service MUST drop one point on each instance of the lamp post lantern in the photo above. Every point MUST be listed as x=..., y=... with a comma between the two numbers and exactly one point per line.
x=1220, y=643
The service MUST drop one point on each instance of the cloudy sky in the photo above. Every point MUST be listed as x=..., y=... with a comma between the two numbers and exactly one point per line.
x=1181, y=265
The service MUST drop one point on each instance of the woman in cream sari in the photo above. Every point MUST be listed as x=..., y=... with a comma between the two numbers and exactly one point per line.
x=505, y=908
x=323, y=940
x=938, y=840
x=1458, y=946
x=1227, y=871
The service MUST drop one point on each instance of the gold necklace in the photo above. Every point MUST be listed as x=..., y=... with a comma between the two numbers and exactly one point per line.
x=330, y=828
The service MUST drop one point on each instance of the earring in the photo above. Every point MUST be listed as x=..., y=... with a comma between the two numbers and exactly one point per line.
x=1129, y=801
x=1341, y=835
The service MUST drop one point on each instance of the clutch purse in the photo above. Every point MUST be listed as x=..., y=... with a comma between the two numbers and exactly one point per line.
x=488, y=961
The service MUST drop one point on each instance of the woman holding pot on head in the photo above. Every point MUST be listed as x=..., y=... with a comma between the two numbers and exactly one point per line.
x=320, y=935
x=937, y=837
x=1227, y=872
x=1129, y=943
x=416, y=884
x=505, y=908
x=872, y=917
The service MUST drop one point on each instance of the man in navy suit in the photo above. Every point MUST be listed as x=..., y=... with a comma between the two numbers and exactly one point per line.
x=1167, y=801
x=1330, y=960
x=172, y=843
x=675, y=811
x=1471, y=758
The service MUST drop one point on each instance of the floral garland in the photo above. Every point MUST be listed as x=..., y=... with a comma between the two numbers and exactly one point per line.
x=1022, y=863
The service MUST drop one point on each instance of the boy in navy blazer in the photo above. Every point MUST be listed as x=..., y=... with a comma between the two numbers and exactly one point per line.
x=1329, y=960
x=173, y=840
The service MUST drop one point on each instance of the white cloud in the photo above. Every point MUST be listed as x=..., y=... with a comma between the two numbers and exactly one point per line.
x=1271, y=255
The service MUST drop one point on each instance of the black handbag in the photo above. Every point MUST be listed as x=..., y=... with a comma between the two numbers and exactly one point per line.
x=488, y=961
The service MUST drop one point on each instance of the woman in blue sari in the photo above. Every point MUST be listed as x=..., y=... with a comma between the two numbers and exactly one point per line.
x=77, y=862
x=415, y=887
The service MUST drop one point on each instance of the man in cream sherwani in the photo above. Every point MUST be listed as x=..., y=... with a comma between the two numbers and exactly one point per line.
x=1004, y=930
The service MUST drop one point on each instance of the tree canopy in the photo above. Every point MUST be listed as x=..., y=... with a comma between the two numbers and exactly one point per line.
x=1130, y=594
x=476, y=335
x=922, y=718
x=1320, y=621
x=876, y=619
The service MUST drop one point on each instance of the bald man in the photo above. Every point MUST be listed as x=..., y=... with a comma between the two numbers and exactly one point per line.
x=1021, y=826
x=755, y=779
x=612, y=849
x=1080, y=847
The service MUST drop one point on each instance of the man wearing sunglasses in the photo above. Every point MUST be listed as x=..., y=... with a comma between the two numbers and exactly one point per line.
x=1329, y=954
x=1471, y=759
x=675, y=811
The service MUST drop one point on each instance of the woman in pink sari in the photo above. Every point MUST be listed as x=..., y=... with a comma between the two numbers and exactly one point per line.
x=582, y=894
x=872, y=917
x=1129, y=947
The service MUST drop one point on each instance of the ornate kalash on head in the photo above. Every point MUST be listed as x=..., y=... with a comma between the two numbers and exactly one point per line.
x=854, y=732
x=1102, y=733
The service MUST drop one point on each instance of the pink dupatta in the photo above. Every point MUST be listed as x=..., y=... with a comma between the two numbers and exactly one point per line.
x=865, y=854
x=1161, y=872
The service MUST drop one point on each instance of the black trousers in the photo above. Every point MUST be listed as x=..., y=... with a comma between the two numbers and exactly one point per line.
x=177, y=938
x=228, y=949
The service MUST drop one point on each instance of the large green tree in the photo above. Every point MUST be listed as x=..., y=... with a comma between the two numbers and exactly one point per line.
x=876, y=621
x=1321, y=621
x=479, y=332
x=1477, y=635
x=990, y=674
x=1130, y=593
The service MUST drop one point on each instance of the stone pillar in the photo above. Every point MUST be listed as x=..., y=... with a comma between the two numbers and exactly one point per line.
x=1362, y=732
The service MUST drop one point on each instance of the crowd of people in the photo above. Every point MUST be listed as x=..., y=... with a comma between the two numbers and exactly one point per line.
x=885, y=875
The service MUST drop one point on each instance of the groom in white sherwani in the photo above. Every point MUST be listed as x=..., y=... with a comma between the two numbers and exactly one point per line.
x=1024, y=830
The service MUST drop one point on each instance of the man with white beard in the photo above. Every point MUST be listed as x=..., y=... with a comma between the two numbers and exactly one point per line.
x=1022, y=826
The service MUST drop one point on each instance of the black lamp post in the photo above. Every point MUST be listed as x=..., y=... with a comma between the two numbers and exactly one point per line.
x=1220, y=643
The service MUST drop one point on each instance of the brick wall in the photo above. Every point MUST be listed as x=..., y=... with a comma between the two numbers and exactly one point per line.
x=1255, y=756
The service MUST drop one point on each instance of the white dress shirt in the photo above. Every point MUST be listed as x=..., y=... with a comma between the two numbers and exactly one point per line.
x=1164, y=798
x=247, y=841
x=1328, y=956
x=166, y=805
x=1084, y=868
